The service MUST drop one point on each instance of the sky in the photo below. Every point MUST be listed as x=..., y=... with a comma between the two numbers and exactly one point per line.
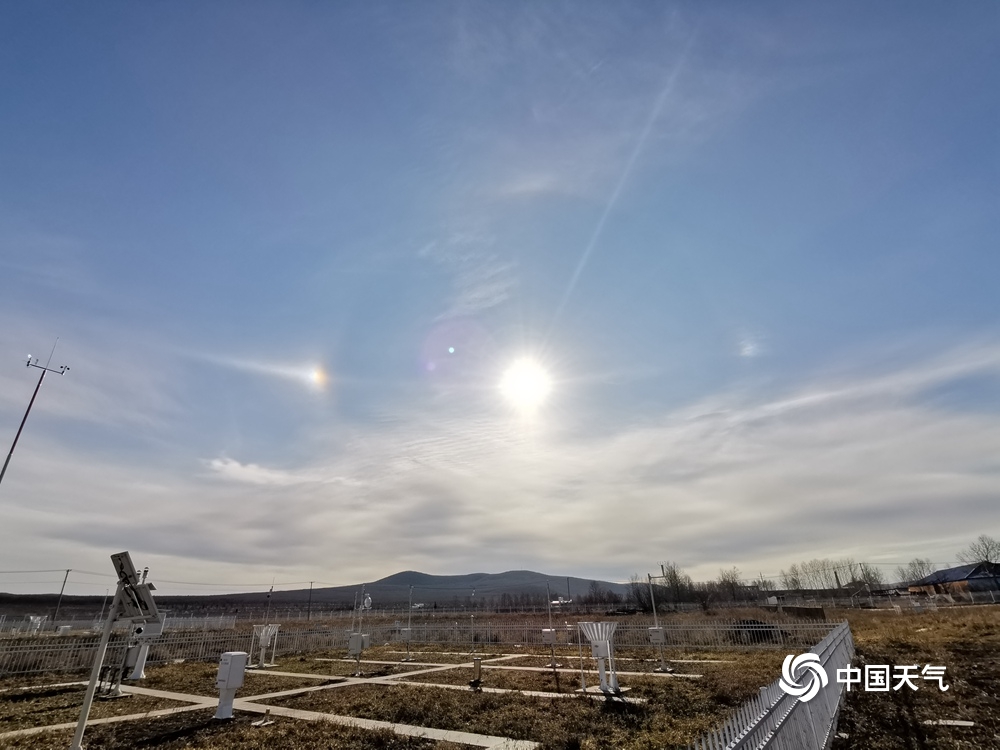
x=746, y=255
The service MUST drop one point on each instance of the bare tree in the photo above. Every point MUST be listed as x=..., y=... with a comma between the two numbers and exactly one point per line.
x=598, y=595
x=914, y=570
x=984, y=549
x=870, y=574
x=763, y=584
x=791, y=579
x=704, y=594
x=677, y=583
x=818, y=574
x=848, y=570
x=638, y=593
x=731, y=582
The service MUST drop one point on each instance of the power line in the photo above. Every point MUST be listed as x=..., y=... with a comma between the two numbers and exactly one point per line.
x=33, y=583
x=54, y=570
x=165, y=580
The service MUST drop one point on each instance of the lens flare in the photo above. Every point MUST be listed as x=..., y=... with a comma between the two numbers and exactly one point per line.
x=526, y=385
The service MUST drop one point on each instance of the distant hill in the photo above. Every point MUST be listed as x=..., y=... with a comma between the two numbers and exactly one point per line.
x=522, y=586
x=395, y=589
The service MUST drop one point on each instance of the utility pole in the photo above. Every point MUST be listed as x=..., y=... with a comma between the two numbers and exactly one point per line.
x=44, y=368
x=103, y=603
x=59, y=600
x=309, y=606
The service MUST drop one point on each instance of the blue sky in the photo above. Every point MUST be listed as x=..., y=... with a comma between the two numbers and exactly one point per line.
x=754, y=248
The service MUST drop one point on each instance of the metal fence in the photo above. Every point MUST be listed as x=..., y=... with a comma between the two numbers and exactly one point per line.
x=774, y=719
x=780, y=721
x=217, y=622
x=53, y=653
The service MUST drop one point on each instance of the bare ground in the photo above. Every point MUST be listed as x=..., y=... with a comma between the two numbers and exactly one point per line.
x=964, y=640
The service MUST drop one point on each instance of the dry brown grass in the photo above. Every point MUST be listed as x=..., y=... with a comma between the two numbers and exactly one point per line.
x=445, y=654
x=41, y=706
x=198, y=678
x=504, y=679
x=965, y=640
x=675, y=715
x=48, y=678
x=197, y=729
x=310, y=665
x=678, y=710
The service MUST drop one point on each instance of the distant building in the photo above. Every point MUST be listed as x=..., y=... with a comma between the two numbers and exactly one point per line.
x=960, y=581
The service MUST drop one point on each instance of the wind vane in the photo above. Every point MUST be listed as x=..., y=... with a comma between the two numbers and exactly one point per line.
x=45, y=369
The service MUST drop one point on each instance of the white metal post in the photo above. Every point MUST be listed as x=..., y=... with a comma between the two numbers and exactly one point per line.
x=656, y=624
x=274, y=644
x=95, y=672
x=139, y=672
x=548, y=604
x=409, y=627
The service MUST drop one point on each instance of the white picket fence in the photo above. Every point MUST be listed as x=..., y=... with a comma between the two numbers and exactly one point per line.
x=780, y=721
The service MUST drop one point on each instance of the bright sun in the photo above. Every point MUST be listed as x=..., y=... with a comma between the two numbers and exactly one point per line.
x=525, y=384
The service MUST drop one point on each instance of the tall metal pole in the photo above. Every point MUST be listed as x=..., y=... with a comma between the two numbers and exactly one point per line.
x=409, y=627
x=656, y=623
x=472, y=620
x=548, y=604
x=309, y=606
x=44, y=369
x=95, y=672
x=59, y=600
x=104, y=602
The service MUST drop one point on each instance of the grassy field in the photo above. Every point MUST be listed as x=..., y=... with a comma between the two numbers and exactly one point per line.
x=197, y=729
x=966, y=641
x=198, y=678
x=554, y=722
x=331, y=664
x=38, y=706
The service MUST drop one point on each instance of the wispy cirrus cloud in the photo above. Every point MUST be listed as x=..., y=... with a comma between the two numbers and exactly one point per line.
x=481, y=278
x=733, y=480
x=824, y=468
x=581, y=113
x=115, y=378
x=47, y=260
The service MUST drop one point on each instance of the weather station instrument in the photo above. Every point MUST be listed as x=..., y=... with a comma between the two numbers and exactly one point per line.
x=133, y=603
x=32, y=362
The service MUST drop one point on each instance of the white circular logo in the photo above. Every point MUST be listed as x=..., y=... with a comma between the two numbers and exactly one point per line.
x=793, y=666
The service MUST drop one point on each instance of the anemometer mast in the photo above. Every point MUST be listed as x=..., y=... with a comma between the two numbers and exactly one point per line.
x=45, y=369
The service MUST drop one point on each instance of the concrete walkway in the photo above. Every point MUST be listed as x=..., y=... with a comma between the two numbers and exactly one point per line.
x=533, y=693
x=444, y=735
x=249, y=704
x=570, y=670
